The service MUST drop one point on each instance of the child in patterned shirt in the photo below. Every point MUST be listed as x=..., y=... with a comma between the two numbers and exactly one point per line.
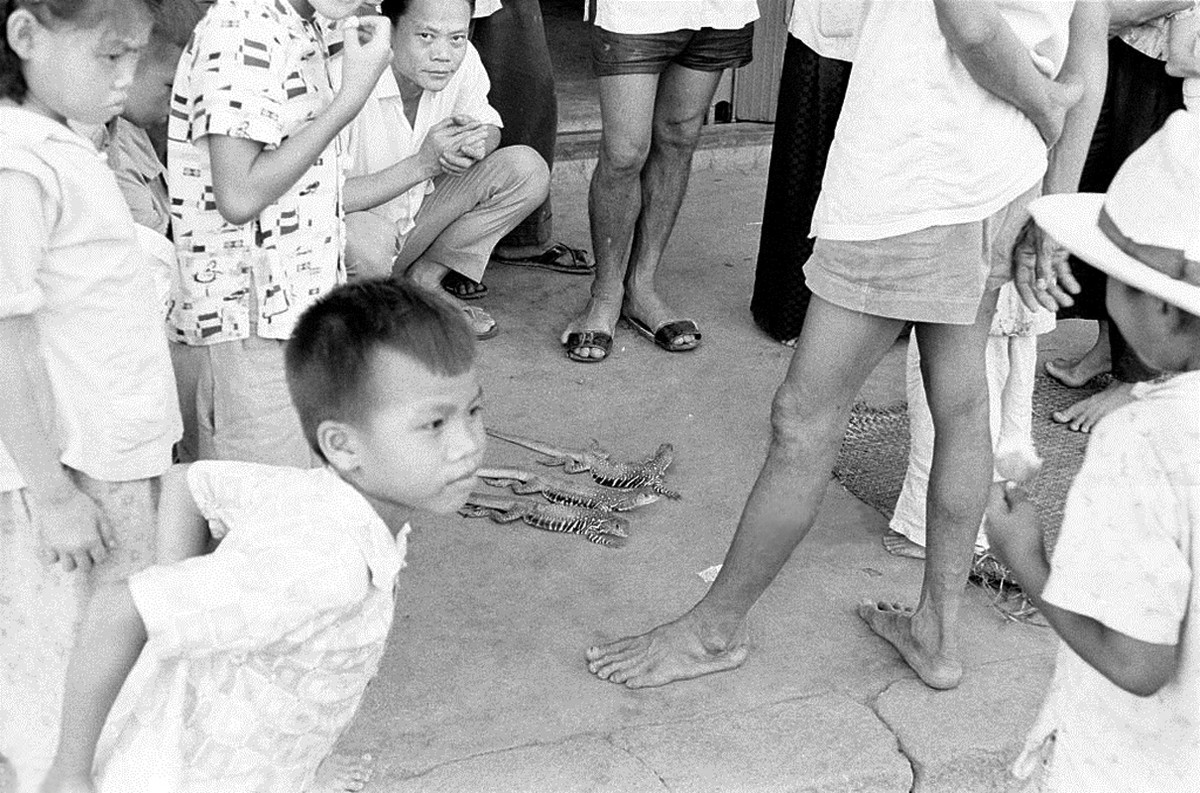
x=1123, y=710
x=255, y=172
x=253, y=658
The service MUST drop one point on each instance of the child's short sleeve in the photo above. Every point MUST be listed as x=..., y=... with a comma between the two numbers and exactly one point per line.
x=238, y=75
x=27, y=196
x=1120, y=556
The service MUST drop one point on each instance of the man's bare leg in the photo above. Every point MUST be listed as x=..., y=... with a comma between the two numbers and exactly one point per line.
x=684, y=96
x=837, y=350
x=953, y=367
x=615, y=196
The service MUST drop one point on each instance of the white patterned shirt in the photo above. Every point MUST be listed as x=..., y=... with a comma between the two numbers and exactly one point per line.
x=1127, y=557
x=258, y=653
x=254, y=69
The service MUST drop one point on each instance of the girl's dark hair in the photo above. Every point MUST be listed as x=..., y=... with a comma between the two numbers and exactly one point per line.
x=84, y=13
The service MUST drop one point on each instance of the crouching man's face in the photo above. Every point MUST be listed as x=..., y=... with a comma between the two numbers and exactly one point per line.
x=429, y=41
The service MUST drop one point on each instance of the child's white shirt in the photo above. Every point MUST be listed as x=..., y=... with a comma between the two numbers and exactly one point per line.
x=1127, y=557
x=258, y=653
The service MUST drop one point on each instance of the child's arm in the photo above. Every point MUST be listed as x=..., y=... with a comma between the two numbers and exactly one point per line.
x=112, y=637
x=1127, y=13
x=1136, y=666
x=1086, y=65
x=247, y=177
x=998, y=61
x=70, y=522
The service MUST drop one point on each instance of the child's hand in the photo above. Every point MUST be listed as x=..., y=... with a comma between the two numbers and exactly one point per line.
x=71, y=531
x=1012, y=525
x=367, y=52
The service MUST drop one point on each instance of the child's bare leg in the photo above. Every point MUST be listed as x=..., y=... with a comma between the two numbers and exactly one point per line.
x=182, y=532
x=342, y=772
x=1096, y=361
x=953, y=364
x=110, y=641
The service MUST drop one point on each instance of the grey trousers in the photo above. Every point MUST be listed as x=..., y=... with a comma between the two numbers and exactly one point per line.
x=459, y=223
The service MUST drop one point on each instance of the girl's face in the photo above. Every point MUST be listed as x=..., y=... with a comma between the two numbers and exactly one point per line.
x=83, y=71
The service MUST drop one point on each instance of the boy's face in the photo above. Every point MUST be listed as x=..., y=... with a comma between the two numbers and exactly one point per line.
x=1141, y=321
x=422, y=437
x=149, y=99
x=429, y=43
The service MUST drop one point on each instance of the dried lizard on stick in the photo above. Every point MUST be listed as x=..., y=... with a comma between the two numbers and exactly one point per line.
x=602, y=528
x=566, y=491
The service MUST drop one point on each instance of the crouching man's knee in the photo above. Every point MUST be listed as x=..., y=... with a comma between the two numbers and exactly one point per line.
x=525, y=171
x=370, y=246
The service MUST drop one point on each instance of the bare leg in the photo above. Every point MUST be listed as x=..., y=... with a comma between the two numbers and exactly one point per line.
x=683, y=98
x=953, y=364
x=615, y=197
x=837, y=351
x=342, y=773
x=1096, y=361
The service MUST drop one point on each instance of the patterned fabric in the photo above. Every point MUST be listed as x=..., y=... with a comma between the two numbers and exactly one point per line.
x=254, y=69
x=258, y=653
x=1127, y=557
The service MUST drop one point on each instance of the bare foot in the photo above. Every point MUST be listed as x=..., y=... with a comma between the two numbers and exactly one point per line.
x=1084, y=414
x=339, y=773
x=894, y=622
x=1096, y=361
x=600, y=315
x=897, y=544
x=670, y=652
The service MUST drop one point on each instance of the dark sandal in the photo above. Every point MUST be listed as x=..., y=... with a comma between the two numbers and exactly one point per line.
x=667, y=335
x=578, y=261
x=588, y=338
x=459, y=286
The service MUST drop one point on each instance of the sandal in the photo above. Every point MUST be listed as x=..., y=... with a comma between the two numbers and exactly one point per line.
x=462, y=287
x=558, y=257
x=668, y=334
x=481, y=322
x=588, y=338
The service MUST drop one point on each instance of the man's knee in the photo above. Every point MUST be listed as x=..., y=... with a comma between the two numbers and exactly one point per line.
x=623, y=156
x=678, y=133
x=527, y=171
x=370, y=246
x=799, y=423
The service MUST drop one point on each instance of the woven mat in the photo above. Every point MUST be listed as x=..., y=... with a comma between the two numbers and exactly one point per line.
x=874, y=453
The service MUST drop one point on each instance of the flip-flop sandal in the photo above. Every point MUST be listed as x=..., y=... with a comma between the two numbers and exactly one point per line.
x=588, y=338
x=667, y=335
x=481, y=322
x=577, y=261
x=462, y=287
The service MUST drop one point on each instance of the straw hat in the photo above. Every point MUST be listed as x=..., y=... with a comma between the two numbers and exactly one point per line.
x=1145, y=231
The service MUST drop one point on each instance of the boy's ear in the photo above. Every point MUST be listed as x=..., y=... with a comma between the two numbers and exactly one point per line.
x=339, y=444
x=21, y=28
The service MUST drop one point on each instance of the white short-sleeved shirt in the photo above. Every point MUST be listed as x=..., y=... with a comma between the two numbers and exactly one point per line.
x=254, y=69
x=380, y=135
x=662, y=16
x=919, y=143
x=258, y=653
x=1127, y=557
x=93, y=302
x=829, y=27
x=485, y=8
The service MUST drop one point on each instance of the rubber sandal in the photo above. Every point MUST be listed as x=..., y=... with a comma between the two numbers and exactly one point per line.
x=455, y=284
x=578, y=261
x=667, y=335
x=588, y=338
x=481, y=322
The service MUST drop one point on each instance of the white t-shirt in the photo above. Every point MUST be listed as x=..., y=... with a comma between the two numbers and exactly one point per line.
x=829, y=27
x=485, y=8
x=380, y=135
x=663, y=16
x=94, y=304
x=1127, y=557
x=919, y=143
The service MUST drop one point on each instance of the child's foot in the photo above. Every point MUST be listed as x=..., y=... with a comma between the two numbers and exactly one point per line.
x=339, y=773
x=1084, y=414
x=894, y=622
x=897, y=544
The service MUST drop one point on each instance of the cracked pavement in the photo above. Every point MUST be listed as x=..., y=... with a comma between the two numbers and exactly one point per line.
x=484, y=686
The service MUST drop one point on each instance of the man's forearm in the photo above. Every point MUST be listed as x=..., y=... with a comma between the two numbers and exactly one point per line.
x=1086, y=64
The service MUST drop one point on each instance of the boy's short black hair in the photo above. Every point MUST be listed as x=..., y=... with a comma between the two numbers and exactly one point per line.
x=394, y=9
x=330, y=353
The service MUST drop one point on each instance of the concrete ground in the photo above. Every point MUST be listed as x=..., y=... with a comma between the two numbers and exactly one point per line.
x=484, y=686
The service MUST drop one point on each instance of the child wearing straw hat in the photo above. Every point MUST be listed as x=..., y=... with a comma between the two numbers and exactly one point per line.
x=1123, y=710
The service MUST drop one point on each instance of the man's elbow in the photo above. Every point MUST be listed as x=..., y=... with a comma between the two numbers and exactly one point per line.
x=1145, y=678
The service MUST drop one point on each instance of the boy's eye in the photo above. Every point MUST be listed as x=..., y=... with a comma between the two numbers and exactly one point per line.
x=476, y=410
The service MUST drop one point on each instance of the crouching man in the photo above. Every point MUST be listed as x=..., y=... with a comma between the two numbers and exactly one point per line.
x=426, y=191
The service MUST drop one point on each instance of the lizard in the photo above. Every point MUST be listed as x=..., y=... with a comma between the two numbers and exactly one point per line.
x=620, y=475
x=565, y=491
x=602, y=528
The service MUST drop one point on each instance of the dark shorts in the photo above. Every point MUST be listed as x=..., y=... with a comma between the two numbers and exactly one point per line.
x=704, y=50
